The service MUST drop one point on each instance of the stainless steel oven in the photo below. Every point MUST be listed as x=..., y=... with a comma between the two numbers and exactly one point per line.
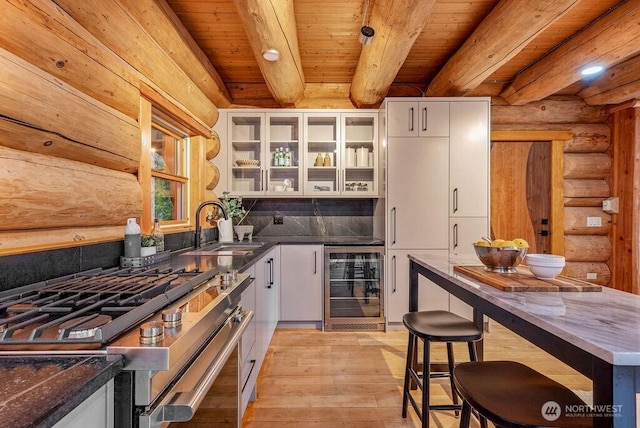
x=354, y=287
x=178, y=332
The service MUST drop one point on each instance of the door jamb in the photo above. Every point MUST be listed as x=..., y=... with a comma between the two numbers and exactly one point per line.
x=557, y=139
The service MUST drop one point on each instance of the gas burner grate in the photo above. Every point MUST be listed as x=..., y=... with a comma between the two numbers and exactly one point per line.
x=42, y=312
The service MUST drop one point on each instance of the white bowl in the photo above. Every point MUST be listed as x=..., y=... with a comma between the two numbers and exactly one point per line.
x=545, y=259
x=545, y=272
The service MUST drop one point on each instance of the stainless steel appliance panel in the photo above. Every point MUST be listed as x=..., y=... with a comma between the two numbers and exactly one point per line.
x=182, y=400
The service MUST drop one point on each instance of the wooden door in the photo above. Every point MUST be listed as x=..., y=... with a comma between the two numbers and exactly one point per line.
x=521, y=192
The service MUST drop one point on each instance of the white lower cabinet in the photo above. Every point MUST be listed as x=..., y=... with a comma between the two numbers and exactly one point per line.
x=263, y=294
x=95, y=411
x=267, y=300
x=431, y=296
x=301, y=282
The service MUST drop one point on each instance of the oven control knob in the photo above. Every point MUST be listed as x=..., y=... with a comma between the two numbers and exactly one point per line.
x=171, y=318
x=151, y=332
x=238, y=317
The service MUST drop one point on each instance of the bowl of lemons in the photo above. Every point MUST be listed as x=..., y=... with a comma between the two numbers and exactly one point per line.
x=501, y=255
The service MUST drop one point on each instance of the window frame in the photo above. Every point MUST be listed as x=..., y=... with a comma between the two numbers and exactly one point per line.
x=153, y=103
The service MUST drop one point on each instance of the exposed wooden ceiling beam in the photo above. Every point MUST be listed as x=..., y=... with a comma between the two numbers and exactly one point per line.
x=510, y=26
x=607, y=41
x=270, y=24
x=397, y=24
x=617, y=85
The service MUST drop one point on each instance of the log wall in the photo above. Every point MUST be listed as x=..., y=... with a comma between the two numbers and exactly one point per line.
x=70, y=133
x=625, y=182
x=587, y=166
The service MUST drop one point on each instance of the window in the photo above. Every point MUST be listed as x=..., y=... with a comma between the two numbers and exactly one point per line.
x=171, y=163
x=169, y=172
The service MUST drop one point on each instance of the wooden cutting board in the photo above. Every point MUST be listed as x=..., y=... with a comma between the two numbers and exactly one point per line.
x=524, y=280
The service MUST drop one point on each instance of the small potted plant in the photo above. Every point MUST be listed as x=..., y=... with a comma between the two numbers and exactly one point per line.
x=147, y=245
x=237, y=213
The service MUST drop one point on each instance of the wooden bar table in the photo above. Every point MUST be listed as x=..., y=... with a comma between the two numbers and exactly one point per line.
x=596, y=333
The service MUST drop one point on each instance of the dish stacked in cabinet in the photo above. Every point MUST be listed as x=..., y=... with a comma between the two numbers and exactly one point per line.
x=437, y=190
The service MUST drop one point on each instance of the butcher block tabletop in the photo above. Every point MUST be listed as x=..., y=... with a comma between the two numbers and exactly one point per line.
x=524, y=280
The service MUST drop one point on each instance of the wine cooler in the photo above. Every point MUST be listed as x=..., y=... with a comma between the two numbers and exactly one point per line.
x=354, y=287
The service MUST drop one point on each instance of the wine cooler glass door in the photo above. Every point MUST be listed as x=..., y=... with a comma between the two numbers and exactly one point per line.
x=353, y=288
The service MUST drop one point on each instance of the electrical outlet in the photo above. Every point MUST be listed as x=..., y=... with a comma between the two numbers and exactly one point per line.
x=594, y=221
x=278, y=219
x=592, y=275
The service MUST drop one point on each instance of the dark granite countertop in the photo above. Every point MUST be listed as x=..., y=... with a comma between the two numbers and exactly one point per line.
x=41, y=390
x=213, y=264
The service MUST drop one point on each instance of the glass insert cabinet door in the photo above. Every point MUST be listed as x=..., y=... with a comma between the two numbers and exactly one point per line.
x=284, y=148
x=322, y=136
x=354, y=287
x=247, y=160
x=359, y=154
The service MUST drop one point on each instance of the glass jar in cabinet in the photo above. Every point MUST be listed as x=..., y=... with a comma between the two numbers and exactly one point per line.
x=284, y=148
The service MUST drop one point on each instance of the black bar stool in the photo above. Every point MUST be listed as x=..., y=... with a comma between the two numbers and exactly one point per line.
x=512, y=395
x=434, y=326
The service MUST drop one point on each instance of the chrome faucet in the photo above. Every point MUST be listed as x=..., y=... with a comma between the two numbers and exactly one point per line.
x=200, y=207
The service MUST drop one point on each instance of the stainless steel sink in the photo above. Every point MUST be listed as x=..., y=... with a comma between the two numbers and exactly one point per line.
x=226, y=249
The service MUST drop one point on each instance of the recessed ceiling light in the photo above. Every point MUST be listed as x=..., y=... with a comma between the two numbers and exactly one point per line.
x=271, y=55
x=591, y=70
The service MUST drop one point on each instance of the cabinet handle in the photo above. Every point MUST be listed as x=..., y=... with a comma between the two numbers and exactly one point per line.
x=315, y=262
x=393, y=273
x=455, y=200
x=270, y=263
x=393, y=225
x=455, y=236
x=411, y=119
x=424, y=119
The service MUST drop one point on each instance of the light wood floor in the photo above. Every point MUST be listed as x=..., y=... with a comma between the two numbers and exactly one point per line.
x=312, y=379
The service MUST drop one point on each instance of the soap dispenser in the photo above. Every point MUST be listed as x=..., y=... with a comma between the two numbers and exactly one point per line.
x=132, y=238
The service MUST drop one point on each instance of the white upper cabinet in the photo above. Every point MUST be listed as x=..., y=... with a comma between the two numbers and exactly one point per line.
x=284, y=153
x=289, y=153
x=469, y=152
x=322, y=153
x=418, y=119
x=247, y=153
x=359, y=154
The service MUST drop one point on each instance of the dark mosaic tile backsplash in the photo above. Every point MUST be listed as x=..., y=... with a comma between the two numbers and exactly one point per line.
x=301, y=217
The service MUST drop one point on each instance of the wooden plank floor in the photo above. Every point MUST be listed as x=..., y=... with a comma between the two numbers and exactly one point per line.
x=312, y=379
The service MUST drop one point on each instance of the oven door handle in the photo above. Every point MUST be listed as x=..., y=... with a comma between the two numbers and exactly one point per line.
x=183, y=405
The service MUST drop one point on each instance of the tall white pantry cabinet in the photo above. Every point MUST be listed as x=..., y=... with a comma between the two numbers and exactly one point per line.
x=437, y=190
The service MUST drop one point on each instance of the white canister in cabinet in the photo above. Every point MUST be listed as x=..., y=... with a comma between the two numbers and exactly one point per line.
x=132, y=238
x=370, y=160
x=350, y=155
x=362, y=157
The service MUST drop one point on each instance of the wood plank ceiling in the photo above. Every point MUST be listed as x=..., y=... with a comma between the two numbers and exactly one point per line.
x=520, y=50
